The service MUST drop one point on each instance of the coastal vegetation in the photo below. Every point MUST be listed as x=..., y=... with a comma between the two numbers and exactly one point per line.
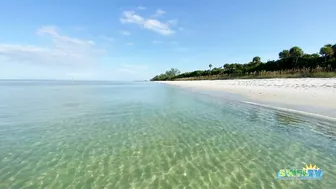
x=292, y=63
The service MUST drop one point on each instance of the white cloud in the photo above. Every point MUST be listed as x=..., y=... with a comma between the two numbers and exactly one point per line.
x=159, y=13
x=130, y=17
x=63, y=50
x=126, y=33
x=158, y=26
x=53, y=32
x=141, y=8
x=109, y=39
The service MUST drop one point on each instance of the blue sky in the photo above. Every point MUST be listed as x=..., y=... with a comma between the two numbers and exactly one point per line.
x=130, y=39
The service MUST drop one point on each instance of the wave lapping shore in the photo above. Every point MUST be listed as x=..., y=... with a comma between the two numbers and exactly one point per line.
x=314, y=95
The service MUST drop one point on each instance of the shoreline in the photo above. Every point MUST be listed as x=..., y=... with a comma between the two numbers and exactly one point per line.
x=309, y=96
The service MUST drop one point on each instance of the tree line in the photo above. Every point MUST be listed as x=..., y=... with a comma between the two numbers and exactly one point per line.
x=290, y=61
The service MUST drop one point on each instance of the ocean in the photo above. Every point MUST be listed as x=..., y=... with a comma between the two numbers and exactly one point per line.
x=63, y=134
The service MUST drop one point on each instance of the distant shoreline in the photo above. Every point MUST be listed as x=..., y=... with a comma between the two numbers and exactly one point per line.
x=312, y=95
x=69, y=80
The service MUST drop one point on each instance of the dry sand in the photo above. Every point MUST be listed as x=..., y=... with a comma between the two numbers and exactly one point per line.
x=314, y=95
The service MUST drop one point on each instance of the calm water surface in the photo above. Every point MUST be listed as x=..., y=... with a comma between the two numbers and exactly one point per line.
x=148, y=135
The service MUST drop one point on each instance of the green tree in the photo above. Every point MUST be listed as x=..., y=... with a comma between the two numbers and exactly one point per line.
x=226, y=66
x=286, y=62
x=256, y=59
x=334, y=49
x=172, y=72
x=296, y=52
x=327, y=51
x=284, y=54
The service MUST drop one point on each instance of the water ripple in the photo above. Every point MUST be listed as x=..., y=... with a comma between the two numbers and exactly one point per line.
x=180, y=140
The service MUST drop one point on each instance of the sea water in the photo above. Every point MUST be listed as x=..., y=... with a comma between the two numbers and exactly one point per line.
x=62, y=134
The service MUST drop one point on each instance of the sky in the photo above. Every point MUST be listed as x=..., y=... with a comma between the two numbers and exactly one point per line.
x=136, y=40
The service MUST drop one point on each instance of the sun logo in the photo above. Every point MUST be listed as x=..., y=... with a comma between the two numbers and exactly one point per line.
x=311, y=167
x=309, y=172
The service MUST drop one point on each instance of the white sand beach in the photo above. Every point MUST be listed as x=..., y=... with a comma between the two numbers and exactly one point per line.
x=314, y=95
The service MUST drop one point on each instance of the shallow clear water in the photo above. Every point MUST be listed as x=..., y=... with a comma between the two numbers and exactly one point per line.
x=148, y=135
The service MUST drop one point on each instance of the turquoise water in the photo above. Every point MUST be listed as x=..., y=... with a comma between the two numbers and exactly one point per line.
x=147, y=135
